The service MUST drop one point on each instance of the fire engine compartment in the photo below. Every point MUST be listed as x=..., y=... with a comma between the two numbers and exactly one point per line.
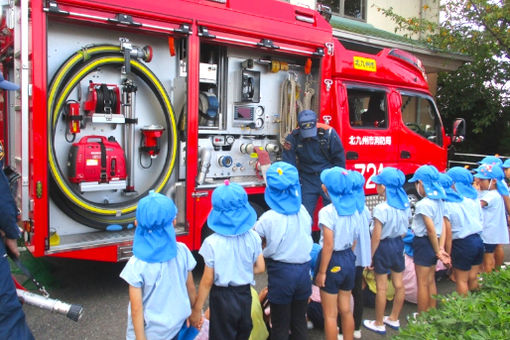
x=240, y=98
x=175, y=97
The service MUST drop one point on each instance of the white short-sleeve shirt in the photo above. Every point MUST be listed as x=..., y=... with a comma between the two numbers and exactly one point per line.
x=465, y=217
x=232, y=257
x=494, y=219
x=288, y=237
x=345, y=228
x=431, y=208
x=395, y=222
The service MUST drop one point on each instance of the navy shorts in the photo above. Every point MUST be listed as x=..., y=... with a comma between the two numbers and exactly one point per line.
x=230, y=312
x=424, y=254
x=389, y=256
x=489, y=248
x=341, y=271
x=467, y=252
x=287, y=282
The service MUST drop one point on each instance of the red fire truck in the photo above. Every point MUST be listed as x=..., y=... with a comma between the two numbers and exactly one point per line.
x=122, y=97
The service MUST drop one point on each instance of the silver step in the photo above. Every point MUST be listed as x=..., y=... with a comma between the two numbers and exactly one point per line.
x=99, y=239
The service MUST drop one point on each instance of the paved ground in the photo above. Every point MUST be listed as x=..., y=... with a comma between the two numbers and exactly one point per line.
x=104, y=295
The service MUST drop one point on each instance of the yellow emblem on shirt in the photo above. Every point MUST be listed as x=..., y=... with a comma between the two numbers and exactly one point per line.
x=336, y=269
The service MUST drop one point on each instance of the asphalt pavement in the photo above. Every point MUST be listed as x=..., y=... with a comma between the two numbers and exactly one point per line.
x=104, y=296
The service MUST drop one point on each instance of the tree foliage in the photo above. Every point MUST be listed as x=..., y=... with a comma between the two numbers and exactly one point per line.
x=478, y=91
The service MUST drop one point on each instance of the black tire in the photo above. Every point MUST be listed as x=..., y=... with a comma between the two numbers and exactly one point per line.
x=259, y=209
x=206, y=231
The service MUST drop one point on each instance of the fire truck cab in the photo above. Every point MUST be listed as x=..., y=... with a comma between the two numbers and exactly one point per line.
x=119, y=98
x=384, y=112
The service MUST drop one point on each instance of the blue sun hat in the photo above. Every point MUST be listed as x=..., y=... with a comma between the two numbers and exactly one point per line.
x=451, y=195
x=393, y=179
x=358, y=182
x=429, y=176
x=493, y=172
x=463, y=181
x=231, y=212
x=506, y=164
x=154, y=239
x=283, y=191
x=338, y=181
x=493, y=160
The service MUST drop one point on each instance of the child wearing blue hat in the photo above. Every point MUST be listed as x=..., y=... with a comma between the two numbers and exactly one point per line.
x=506, y=168
x=335, y=270
x=429, y=240
x=492, y=190
x=232, y=254
x=463, y=216
x=492, y=160
x=499, y=254
x=287, y=229
x=161, y=287
x=391, y=222
x=362, y=249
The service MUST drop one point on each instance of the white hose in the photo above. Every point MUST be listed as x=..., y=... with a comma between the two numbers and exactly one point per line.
x=288, y=106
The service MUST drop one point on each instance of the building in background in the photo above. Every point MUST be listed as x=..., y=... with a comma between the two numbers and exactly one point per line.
x=359, y=24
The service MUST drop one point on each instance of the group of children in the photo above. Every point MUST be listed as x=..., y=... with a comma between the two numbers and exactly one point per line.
x=453, y=222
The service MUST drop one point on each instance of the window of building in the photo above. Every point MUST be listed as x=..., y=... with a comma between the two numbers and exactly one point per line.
x=420, y=115
x=367, y=108
x=356, y=9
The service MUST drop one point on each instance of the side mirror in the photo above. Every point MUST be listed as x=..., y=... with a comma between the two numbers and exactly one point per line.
x=325, y=11
x=459, y=130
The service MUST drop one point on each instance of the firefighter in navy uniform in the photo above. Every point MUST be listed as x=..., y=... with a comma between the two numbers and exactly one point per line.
x=12, y=318
x=312, y=147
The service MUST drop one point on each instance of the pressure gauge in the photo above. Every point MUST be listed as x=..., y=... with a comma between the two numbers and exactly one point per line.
x=259, y=123
x=229, y=140
x=259, y=110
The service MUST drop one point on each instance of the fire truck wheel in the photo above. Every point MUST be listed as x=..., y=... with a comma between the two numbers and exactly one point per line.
x=98, y=214
x=258, y=208
x=206, y=231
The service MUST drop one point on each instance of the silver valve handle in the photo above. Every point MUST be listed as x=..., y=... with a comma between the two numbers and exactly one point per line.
x=144, y=53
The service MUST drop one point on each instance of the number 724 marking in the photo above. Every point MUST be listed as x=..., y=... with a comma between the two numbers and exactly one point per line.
x=368, y=171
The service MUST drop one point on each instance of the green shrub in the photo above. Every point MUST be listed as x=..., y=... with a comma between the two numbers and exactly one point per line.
x=482, y=315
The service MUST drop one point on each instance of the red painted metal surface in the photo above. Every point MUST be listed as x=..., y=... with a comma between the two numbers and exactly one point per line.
x=389, y=70
x=38, y=145
x=240, y=23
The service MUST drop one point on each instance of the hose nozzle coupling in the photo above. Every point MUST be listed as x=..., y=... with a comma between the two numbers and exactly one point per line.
x=247, y=148
x=271, y=147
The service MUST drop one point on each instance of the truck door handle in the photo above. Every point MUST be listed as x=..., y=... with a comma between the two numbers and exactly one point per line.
x=351, y=155
x=405, y=154
x=198, y=194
